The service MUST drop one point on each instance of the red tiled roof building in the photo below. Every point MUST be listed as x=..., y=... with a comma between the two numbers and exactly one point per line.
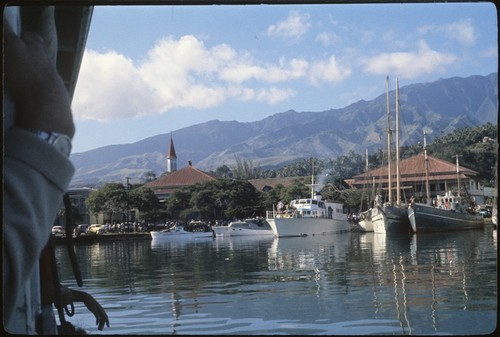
x=176, y=180
x=442, y=177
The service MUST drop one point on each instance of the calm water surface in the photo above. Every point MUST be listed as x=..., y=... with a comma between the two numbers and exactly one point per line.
x=352, y=283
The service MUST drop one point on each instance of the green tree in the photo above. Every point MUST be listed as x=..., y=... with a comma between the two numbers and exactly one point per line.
x=296, y=190
x=178, y=203
x=243, y=200
x=245, y=169
x=216, y=199
x=272, y=197
x=150, y=176
x=346, y=166
x=223, y=172
x=144, y=199
x=111, y=197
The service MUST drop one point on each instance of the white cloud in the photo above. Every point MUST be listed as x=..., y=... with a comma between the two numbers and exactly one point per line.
x=274, y=95
x=184, y=73
x=327, y=39
x=463, y=31
x=176, y=73
x=294, y=26
x=328, y=71
x=111, y=87
x=408, y=64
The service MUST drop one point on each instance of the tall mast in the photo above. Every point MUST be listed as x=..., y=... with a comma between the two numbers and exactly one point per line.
x=366, y=177
x=458, y=177
x=427, y=187
x=389, y=171
x=398, y=192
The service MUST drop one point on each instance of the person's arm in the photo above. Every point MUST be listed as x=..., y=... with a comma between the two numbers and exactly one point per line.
x=36, y=174
x=70, y=295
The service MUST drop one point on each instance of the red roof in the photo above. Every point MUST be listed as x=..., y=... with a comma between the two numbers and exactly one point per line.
x=413, y=168
x=184, y=177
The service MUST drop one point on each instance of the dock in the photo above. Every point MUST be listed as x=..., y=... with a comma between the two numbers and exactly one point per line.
x=93, y=238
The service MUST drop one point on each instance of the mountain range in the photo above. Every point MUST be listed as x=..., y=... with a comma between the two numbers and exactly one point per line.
x=440, y=107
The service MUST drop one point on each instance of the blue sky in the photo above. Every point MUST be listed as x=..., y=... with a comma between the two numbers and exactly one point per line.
x=156, y=69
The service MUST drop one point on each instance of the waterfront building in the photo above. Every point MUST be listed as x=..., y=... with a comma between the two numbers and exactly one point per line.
x=175, y=179
x=442, y=176
x=165, y=185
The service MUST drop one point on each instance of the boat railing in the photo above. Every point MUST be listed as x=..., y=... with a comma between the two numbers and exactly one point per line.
x=281, y=214
x=292, y=214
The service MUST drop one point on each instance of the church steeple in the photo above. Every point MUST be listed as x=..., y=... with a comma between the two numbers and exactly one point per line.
x=171, y=157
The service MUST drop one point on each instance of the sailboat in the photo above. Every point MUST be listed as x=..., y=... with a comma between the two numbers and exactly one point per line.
x=390, y=216
x=450, y=213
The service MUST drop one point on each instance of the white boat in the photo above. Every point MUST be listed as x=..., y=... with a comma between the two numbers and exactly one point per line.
x=365, y=221
x=390, y=218
x=247, y=227
x=192, y=231
x=309, y=216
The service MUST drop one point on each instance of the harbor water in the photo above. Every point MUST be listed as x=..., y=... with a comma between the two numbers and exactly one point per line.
x=349, y=283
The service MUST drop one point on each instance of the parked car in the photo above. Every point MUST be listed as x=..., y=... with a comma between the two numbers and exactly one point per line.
x=97, y=229
x=81, y=229
x=58, y=231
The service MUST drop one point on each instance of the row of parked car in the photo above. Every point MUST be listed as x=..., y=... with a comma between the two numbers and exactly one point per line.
x=59, y=231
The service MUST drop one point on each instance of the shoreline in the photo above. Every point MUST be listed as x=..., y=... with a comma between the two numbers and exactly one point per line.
x=92, y=238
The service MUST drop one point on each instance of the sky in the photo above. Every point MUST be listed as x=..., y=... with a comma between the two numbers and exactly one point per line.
x=149, y=70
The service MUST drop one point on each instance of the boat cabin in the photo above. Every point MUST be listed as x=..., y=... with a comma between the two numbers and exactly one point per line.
x=451, y=202
x=309, y=208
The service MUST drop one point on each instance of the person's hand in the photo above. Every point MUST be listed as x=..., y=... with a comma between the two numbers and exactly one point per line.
x=94, y=307
x=32, y=81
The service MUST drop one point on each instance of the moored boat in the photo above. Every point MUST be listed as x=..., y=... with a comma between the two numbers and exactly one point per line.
x=248, y=227
x=309, y=216
x=365, y=221
x=195, y=229
x=391, y=217
x=451, y=214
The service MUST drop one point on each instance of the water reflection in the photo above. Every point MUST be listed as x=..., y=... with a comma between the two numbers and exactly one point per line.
x=349, y=283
